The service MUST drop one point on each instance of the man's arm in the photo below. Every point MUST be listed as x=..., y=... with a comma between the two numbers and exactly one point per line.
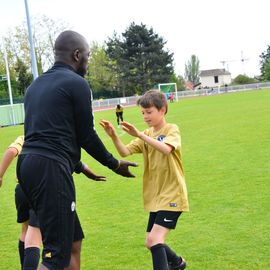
x=9, y=155
x=83, y=168
x=88, y=138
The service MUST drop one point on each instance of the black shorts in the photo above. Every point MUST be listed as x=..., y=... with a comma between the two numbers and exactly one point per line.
x=24, y=209
x=167, y=219
x=119, y=114
x=49, y=187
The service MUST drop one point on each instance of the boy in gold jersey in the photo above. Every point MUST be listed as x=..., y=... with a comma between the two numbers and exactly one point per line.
x=30, y=236
x=164, y=187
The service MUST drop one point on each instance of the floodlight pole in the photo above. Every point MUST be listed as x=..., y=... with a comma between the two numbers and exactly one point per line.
x=9, y=86
x=30, y=37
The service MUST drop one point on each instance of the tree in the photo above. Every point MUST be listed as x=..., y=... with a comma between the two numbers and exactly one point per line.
x=266, y=70
x=4, y=84
x=265, y=57
x=192, y=68
x=243, y=79
x=180, y=82
x=139, y=59
x=24, y=77
x=16, y=43
x=101, y=77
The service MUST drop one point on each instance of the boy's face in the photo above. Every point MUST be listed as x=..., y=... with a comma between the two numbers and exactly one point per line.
x=152, y=116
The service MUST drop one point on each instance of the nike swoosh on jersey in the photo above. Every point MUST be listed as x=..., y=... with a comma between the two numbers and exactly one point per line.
x=168, y=220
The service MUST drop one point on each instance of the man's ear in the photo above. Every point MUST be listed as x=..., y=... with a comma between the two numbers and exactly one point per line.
x=76, y=55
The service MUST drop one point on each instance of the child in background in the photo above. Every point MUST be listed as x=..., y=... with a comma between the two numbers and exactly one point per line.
x=164, y=187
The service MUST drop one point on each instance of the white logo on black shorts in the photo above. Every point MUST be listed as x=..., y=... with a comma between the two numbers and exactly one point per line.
x=73, y=206
x=168, y=220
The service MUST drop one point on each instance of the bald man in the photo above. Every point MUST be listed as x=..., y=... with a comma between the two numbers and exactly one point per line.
x=58, y=123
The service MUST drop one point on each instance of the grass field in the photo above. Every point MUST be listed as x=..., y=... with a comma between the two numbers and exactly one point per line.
x=226, y=148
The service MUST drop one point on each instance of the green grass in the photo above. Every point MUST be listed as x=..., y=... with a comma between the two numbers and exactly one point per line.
x=226, y=142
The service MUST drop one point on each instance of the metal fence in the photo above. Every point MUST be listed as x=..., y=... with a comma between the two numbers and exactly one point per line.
x=13, y=115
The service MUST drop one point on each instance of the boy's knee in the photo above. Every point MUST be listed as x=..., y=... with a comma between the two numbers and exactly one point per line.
x=150, y=241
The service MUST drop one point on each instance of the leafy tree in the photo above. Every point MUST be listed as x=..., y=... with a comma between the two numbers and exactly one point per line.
x=139, y=59
x=45, y=32
x=3, y=84
x=16, y=43
x=192, y=68
x=266, y=70
x=243, y=79
x=101, y=77
x=265, y=57
x=24, y=77
x=179, y=80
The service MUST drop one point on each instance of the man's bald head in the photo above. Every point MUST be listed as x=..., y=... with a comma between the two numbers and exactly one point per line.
x=71, y=47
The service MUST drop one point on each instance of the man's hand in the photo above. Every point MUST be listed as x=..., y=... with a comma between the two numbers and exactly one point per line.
x=123, y=168
x=90, y=174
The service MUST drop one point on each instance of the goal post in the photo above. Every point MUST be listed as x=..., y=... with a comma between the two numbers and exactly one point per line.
x=167, y=88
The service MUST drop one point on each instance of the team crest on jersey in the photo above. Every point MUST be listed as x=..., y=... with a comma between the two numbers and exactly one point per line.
x=161, y=138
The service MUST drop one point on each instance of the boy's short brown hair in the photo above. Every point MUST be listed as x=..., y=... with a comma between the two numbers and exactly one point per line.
x=153, y=98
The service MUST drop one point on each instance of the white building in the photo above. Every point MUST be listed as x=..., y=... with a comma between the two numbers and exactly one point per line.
x=215, y=77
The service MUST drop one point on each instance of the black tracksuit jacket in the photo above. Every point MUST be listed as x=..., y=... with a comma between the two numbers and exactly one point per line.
x=59, y=120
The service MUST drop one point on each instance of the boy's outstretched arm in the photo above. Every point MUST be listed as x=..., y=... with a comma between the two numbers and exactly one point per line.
x=160, y=146
x=110, y=130
x=9, y=155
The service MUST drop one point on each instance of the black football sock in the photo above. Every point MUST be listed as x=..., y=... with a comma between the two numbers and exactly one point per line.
x=21, y=251
x=159, y=257
x=31, y=258
x=171, y=255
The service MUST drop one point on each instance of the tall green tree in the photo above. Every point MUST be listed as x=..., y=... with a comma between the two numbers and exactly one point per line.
x=266, y=70
x=101, y=76
x=180, y=82
x=264, y=63
x=243, y=79
x=3, y=85
x=45, y=31
x=141, y=59
x=24, y=77
x=192, y=69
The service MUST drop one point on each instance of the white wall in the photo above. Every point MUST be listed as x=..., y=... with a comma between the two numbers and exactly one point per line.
x=210, y=80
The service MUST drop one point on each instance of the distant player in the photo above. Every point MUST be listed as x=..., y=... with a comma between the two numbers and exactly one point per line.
x=171, y=97
x=30, y=236
x=164, y=187
x=119, y=111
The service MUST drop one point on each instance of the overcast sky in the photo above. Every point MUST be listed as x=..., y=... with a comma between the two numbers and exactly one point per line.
x=213, y=30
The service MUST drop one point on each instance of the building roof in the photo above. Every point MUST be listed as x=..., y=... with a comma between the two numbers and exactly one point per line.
x=214, y=72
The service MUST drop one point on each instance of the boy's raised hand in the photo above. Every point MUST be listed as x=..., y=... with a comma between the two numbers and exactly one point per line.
x=130, y=129
x=108, y=127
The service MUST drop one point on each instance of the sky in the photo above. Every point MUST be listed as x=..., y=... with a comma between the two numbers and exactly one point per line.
x=213, y=30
